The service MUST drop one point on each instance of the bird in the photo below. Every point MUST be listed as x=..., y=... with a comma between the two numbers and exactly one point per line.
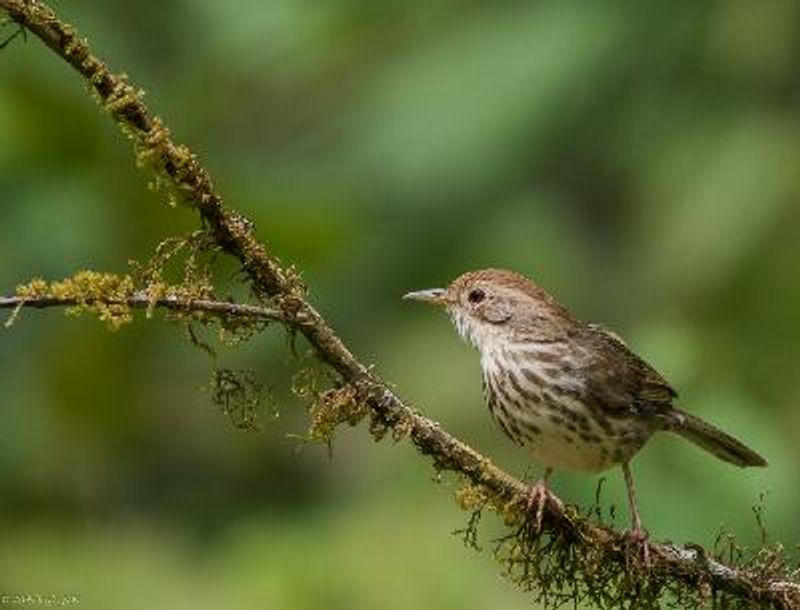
x=572, y=394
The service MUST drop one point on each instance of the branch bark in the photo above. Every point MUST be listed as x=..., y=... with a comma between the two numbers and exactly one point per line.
x=276, y=284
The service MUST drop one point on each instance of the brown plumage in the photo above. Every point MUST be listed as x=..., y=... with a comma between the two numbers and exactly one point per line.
x=573, y=394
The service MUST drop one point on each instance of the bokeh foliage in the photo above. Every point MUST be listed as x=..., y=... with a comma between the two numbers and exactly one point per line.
x=639, y=161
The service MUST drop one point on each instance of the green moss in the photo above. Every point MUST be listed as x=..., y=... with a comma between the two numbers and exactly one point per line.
x=152, y=150
x=186, y=259
x=239, y=395
x=101, y=294
x=328, y=407
x=333, y=408
x=401, y=427
x=191, y=259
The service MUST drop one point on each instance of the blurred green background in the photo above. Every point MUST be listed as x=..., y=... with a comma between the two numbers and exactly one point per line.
x=640, y=160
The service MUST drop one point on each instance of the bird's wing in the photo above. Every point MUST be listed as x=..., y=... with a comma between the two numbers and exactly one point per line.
x=620, y=381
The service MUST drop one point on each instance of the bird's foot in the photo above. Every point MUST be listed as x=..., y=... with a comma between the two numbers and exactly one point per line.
x=637, y=547
x=538, y=496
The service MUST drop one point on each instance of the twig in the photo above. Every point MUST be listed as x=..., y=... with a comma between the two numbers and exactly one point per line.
x=235, y=235
x=143, y=301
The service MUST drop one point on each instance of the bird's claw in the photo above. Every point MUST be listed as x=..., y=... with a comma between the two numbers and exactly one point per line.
x=539, y=495
x=637, y=546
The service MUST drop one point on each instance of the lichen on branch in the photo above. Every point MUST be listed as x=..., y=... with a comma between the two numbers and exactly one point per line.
x=104, y=295
x=120, y=300
x=239, y=395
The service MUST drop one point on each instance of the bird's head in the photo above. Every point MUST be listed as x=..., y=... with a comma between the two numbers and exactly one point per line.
x=496, y=305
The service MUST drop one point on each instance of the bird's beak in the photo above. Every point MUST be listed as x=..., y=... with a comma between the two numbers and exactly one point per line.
x=434, y=296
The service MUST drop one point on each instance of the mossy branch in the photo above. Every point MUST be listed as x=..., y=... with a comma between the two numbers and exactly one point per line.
x=571, y=558
x=141, y=300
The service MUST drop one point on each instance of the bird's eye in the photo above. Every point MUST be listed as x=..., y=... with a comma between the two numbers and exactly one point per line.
x=476, y=295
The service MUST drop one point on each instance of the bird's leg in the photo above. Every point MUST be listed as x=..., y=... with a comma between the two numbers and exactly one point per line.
x=538, y=496
x=637, y=533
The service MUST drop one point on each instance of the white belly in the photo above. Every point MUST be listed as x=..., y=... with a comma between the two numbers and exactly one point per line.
x=556, y=443
x=560, y=432
x=555, y=448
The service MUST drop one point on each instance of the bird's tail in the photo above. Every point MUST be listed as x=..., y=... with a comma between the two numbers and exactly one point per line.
x=714, y=440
